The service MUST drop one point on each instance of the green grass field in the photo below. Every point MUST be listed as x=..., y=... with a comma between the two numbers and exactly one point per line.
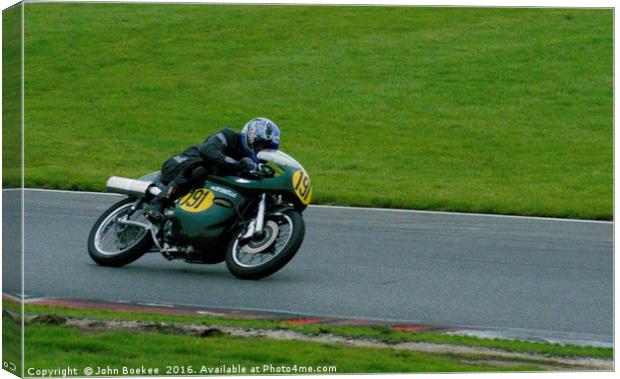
x=463, y=109
x=11, y=336
x=11, y=98
x=54, y=345
x=379, y=333
x=48, y=344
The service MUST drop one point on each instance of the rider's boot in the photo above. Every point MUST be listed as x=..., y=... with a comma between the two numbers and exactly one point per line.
x=154, y=210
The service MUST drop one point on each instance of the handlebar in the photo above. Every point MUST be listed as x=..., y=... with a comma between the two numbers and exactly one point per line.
x=262, y=173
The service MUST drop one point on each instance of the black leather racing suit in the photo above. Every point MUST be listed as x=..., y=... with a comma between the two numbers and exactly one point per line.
x=219, y=154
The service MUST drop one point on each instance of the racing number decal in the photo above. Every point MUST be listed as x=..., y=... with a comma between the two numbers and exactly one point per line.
x=302, y=186
x=197, y=201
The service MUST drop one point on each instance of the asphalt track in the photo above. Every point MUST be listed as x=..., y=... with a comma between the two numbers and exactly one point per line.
x=512, y=276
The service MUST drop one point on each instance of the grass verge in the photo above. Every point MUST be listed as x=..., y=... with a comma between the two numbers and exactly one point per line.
x=492, y=110
x=11, y=337
x=47, y=345
x=12, y=343
x=381, y=333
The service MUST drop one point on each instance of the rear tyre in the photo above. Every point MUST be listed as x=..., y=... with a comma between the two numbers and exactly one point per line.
x=260, y=257
x=113, y=244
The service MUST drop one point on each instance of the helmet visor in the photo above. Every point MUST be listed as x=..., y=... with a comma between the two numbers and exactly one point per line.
x=263, y=145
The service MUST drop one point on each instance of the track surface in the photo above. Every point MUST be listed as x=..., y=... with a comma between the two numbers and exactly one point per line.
x=534, y=277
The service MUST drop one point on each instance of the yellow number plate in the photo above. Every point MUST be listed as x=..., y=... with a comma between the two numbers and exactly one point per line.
x=302, y=187
x=198, y=200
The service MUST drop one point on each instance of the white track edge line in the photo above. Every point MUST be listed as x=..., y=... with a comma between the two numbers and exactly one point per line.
x=365, y=208
x=463, y=214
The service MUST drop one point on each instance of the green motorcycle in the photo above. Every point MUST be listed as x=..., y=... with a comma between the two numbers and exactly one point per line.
x=253, y=223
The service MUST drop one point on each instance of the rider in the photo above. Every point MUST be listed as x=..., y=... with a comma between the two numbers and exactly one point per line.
x=224, y=153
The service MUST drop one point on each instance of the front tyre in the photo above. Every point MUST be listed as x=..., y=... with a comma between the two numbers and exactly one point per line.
x=112, y=243
x=257, y=258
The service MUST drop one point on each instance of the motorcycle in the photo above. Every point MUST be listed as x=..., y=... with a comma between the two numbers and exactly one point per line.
x=254, y=223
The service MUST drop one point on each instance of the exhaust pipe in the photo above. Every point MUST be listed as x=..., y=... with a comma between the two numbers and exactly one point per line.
x=126, y=186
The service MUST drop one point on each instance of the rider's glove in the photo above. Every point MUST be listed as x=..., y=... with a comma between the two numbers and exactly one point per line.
x=246, y=165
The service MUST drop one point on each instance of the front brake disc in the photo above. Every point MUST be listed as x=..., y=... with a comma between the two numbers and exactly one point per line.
x=270, y=231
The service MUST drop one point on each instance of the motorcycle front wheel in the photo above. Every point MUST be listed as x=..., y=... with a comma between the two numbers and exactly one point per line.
x=111, y=243
x=261, y=256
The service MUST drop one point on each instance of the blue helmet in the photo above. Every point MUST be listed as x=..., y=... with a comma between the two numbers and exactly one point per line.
x=260, y=134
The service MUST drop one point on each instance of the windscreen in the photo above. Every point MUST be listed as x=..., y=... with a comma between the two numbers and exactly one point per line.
x=279, y=157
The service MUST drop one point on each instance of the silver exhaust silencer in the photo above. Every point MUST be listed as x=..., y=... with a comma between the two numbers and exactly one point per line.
x=126, y=186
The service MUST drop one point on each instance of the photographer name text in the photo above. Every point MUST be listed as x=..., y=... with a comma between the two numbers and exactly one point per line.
x=177, y=370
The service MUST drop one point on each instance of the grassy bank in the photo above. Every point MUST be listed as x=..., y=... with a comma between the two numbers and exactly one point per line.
x=381, y=333
x=48, y=345
x=12, y=336
x=480, y=110
x=11, y=345
x=52, y=342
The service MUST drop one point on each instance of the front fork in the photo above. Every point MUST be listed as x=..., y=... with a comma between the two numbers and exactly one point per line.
x=153, y=190
x=256, y=225
x=135, y=206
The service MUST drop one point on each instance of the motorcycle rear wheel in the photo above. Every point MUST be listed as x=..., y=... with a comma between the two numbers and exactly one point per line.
x=256, y=259
x=136, y=242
